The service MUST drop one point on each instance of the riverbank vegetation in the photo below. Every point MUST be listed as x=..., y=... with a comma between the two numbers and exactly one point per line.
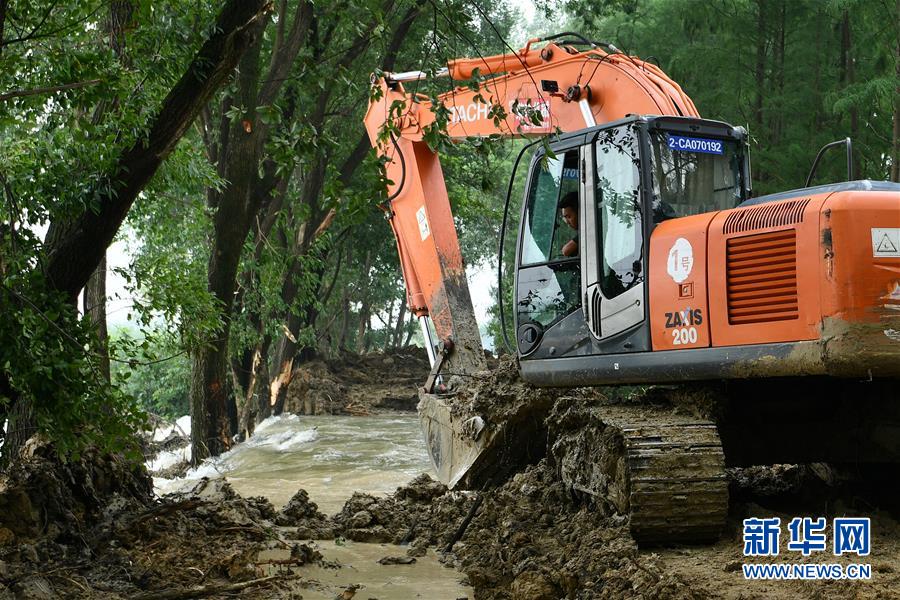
x=222, y=143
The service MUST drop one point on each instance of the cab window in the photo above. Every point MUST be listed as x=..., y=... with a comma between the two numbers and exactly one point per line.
x=549, y=282
x=617, y=194
x=545, y=232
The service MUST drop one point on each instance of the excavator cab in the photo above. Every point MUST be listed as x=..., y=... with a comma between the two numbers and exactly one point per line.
x=629, y=176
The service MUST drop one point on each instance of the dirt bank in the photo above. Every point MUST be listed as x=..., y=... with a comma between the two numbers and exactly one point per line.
x=531, y=539
x=358, y=385
x=91, y=529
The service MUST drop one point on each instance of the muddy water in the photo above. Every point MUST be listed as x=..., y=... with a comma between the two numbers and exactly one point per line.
x=330, y=457
x=426, y=578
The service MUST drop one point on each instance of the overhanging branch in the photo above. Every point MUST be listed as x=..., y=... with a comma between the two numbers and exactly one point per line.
x=75, y=247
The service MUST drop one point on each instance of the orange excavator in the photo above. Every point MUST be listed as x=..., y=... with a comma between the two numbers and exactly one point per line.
x=789, y=302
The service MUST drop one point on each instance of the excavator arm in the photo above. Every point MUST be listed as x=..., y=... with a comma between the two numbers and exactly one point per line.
x=529, y=93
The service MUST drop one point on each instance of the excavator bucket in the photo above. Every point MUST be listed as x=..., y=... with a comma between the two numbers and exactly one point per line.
x=455, y=443
x=487, y=429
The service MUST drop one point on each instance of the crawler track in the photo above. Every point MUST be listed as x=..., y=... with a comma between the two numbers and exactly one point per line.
x=666, y=470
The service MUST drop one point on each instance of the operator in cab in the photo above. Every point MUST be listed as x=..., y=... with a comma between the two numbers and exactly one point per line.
x=568, y=208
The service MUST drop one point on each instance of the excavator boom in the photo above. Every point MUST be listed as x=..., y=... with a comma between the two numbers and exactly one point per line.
x=533, y=92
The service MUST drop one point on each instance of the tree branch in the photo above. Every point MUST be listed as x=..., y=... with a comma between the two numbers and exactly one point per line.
x=348, y=168
x=46, y=90
x=74, y=248
x=283, y=60
x=3, y=5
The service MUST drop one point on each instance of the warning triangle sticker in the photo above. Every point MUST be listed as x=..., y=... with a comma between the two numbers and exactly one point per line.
x=886, y=245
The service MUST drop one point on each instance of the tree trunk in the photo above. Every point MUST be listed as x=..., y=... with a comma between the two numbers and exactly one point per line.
x=847, y=78
x=253, y=360
x=209, y=426
x=777, y=118
x=286, y=351
x=74, y=247
x=237, y=207
x=345, y=321
x=263, y=395
x=250, y=409
x=760, y=71
x=120, y=18
x=895, y=161
x=21, y=426
x=388, y=326
x=3, y=6
x=364, y=311
x=95, y=310
x=401, y=322
x=760, y=76
x=411, y=330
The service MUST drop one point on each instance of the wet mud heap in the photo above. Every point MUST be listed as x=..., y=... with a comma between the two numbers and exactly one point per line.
x=358, y=385
x=90, y=528
x=422, y=514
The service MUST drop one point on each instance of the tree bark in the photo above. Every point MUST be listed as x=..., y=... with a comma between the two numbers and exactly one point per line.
x=847, y=78
x=364, y=311
x=895, y=161
x=409, y=331
x=95, y=310
x=401, y=322
x=236, y=207
x=777, y=118
x=253, y=364
x=3, y=6
x=120, y=18
x=760, y=73
x=389, y=326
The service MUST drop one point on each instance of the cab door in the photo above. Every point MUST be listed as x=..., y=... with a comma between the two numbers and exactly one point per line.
x=548, y=281
x=613, y=252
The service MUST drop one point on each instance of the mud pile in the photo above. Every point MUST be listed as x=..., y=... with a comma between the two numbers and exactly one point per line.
x=422, y=514
x=90, y=528
x=358, y=385
x=304, y=514
x=531, y=540
x=528, y=539
x=42, y=496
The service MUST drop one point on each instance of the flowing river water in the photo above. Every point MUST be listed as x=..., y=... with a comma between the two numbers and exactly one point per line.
x=331, y=457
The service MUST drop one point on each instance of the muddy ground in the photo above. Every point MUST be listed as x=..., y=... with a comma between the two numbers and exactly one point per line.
x=92, y=529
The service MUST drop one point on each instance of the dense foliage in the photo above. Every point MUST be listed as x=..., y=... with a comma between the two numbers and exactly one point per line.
x=797, y=73
x=260, y=240
x=93, y=97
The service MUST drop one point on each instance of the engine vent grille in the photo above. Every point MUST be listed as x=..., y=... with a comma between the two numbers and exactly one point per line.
x=595, y=313
x=762, y=277
x=773, y=214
